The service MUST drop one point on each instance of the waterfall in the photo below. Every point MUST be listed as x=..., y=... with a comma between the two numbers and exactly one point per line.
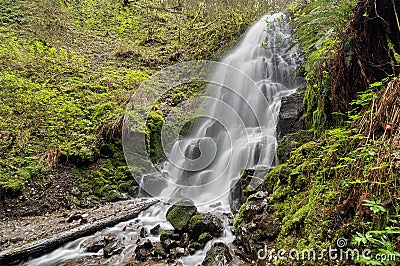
x=239, y=118
x=237, y=130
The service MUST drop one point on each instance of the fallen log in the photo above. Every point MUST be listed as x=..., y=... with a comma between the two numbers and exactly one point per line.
x=43, y=246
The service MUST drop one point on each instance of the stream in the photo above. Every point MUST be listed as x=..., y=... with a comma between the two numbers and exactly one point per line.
x=240, y=133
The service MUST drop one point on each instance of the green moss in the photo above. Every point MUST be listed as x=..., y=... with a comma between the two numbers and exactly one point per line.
x=155, y=122
x=180, y=215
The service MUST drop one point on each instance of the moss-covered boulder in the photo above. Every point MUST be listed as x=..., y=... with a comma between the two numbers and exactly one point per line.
x=205, y=222
x=180, y=214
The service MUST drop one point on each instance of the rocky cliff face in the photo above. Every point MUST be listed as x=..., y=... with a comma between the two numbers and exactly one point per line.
x=291, y=115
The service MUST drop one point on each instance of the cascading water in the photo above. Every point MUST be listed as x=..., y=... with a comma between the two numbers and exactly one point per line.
x=238, y=125
x=237, y=130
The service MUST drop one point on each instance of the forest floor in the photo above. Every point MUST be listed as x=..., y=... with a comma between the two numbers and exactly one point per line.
x=15, y=232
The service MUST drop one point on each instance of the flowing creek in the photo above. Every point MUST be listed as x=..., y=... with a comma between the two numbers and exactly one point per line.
x=246, y=138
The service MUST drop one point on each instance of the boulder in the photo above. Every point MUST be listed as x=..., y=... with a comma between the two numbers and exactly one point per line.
x=180, y=214
x=205, y=222
x=218, y=255
x=204, y=238
x=169, y=235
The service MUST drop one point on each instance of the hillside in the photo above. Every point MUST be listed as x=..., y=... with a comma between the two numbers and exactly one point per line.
x=67, y=71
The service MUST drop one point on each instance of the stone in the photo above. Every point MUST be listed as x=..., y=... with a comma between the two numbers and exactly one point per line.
x=155, y=230
x=218, y=255
x=205, y=222
x=291, y=114
x=115, y=195
x=142, y=254
x=180, y=214
x=159, y=252
x=112, y=248
x=146, y=245
x=195, y=246
x=204, y=238
x=143, y=233
x=169, y=235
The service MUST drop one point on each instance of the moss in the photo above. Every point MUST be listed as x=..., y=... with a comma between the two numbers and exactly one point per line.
x=155, y=122
x=180, y=214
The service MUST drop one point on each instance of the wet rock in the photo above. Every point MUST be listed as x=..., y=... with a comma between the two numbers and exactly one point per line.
x=204, y=238
x=112, y=248
x=180, y=214
x=195, y=246
x=169, y=235
x=155, y=230
x=142, y=254
x=236, y=198
x=219, y=254
x=291, y=142
x=146, y=245
x=184, y=241
x=143, y=233
x=248, y=183
x=291, y=114
x=257, y=226
x=205, y=222
x=170, y=244
x=94, y=245
x=159, y=252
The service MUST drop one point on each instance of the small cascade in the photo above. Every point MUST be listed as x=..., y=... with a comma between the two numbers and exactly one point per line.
x=237, y=131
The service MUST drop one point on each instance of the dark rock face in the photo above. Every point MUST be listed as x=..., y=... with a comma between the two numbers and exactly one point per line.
x=291, y=142
x=180, y=214
x=203, y=223
x=219, y=254
x=248, y=183
x=290, y=115
x=257, y=226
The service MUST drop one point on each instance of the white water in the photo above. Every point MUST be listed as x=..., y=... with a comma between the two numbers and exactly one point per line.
x=240, y=134
x=242, y=110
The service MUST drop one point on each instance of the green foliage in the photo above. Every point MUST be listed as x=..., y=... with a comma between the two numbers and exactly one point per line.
x=319, y=28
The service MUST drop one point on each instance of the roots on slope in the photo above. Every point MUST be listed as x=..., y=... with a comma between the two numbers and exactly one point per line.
x=368, y=55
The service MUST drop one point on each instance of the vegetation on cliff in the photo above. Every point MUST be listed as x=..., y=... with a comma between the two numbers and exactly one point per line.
x=343, y=182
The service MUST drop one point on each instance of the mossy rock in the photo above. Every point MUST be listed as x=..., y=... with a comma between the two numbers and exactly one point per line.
x=291, y=142
x=205, y=223
x=180, y=214
x=204, y=238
